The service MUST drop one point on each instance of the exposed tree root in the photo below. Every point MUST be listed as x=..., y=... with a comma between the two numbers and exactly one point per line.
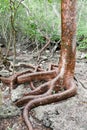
x=12, y=80
x=50, y=91
x=46, y=100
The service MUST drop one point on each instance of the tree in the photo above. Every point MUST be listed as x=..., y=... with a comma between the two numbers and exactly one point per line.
x=58, y=77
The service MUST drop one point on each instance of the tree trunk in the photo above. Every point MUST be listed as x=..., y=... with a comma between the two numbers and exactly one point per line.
x=68, y=39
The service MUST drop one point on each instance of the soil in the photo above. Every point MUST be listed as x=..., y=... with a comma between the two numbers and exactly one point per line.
x=70, y=114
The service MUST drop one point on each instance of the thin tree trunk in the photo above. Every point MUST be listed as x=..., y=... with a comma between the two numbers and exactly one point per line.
x=68, y=38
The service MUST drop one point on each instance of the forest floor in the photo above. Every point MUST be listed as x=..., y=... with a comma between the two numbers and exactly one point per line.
x=70, y=114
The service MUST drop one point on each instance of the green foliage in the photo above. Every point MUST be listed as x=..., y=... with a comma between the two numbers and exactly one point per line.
x=83, y=44
x=40, y=21
x=3, y=6
x=4, y=9
x=37, y=19
x=82, y=24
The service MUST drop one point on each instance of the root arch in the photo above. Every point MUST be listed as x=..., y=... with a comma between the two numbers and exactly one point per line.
x=53, y=90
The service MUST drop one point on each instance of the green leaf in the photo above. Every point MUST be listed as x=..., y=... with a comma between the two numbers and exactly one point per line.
x=50, y=1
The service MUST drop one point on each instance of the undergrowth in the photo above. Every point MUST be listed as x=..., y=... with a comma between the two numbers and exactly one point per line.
x=38, y=19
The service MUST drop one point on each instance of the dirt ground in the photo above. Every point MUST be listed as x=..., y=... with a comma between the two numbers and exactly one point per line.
x=70, y=114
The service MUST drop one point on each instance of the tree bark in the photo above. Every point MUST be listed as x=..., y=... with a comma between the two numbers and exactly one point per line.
x=68, y=39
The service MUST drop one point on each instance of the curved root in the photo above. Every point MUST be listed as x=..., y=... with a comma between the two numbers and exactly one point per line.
x=46, y=93
x=47, y=100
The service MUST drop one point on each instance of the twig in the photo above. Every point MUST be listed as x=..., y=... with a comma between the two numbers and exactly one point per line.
x=80, y=82
x=25, y=6
x=45, y=46
x=82, y=85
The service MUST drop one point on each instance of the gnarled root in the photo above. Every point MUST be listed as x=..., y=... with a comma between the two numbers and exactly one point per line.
x=47, y=99
x=53, y=90
x=47, y=96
